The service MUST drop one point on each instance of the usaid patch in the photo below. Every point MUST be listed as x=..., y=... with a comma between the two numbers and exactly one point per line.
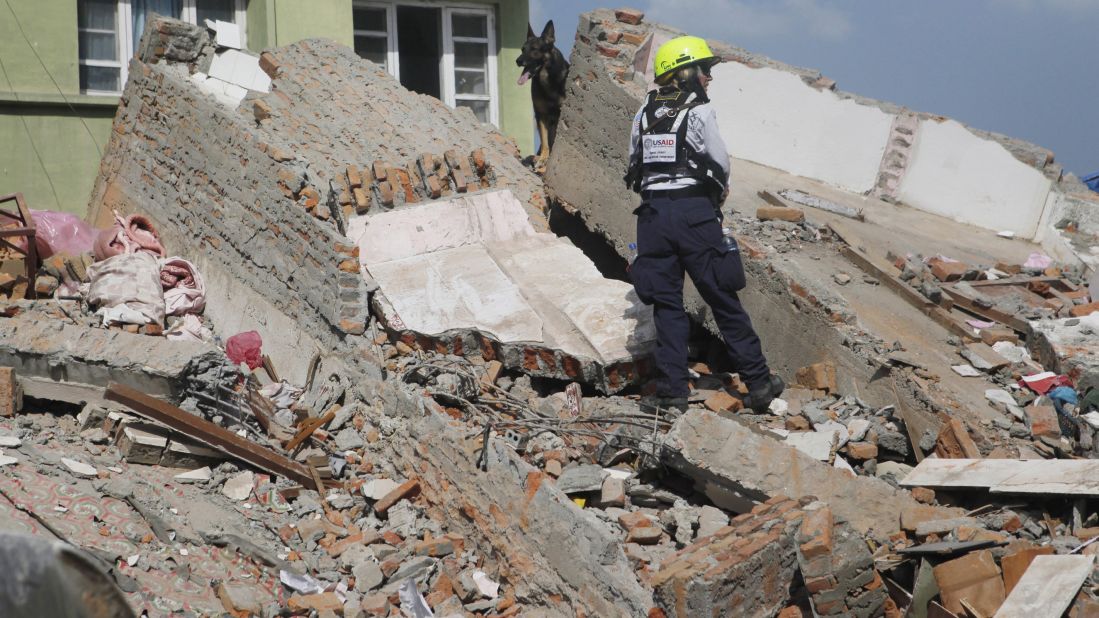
x=658, y=148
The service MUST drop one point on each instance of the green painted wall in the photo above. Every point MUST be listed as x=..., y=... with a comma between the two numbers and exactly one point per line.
x=60, y=175
x=50, y=26
x=516, y=113
x=280, y=22
x=35, y=116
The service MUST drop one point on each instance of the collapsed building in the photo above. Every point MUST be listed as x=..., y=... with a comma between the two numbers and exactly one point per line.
x=444, y=419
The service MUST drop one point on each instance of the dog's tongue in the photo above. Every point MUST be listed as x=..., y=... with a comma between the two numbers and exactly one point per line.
x=523, y=78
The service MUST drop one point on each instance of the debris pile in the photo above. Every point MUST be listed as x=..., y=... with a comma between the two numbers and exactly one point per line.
x=377, y=386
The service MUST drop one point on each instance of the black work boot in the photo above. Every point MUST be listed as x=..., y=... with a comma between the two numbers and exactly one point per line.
x=760, y=396
x=673, y=406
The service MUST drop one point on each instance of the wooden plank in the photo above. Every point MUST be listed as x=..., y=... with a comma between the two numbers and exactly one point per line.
x=967, y=303
x=1048, y=587
x=212, y=435
x=1067, y=477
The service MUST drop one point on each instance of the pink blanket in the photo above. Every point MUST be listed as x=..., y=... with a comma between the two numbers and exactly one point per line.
x=129, y=235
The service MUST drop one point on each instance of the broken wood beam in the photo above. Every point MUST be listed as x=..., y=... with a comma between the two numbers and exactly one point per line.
x=212, y=435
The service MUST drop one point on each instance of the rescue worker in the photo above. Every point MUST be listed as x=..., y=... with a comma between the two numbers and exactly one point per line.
x=679, y=165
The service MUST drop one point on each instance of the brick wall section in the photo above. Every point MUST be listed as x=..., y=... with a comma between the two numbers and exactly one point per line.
x=334, y=110
x=837, y=568
x=212, y=185
x=747, y=568
x=751, y=567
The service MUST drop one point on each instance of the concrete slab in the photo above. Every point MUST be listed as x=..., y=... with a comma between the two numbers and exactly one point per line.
x=1048, y=587
x=475, y=263
x=712, y=449
x=1077, y=477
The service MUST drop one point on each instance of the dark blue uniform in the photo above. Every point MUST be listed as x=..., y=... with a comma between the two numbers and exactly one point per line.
x=679, y=231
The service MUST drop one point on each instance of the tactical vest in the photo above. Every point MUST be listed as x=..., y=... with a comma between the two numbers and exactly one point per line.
x=664, y=148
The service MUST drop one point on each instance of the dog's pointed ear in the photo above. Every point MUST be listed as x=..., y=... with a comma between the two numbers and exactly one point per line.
x=547, y=33
x=530, y=31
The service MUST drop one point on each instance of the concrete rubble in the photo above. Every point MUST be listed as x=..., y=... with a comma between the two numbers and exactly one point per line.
x=417, y=367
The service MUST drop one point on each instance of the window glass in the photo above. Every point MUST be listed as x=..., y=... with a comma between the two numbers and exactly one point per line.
x=480, y=108
x=98, y=46
x=372, y=48
x=469, y=82
x=96, y=15
x=100, y=78
x=475, y=26
x=225, y=10
x=370, y=19
x=471, y=56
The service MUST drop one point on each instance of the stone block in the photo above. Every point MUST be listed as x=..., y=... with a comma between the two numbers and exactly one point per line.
x=239, y=598
x=1015, y=564
x=581, y=478
x=983, y=357
x=181, y=453
x=138, y=443
x=613, y=492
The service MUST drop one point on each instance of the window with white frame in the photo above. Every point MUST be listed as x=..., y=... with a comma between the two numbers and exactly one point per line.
x=97, y=24
x=109, y=31
x=466, y=43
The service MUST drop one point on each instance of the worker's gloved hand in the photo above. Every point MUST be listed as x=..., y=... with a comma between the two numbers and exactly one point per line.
x=760, y=396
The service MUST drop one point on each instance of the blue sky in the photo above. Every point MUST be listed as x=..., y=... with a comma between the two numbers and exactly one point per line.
x=1025, y=68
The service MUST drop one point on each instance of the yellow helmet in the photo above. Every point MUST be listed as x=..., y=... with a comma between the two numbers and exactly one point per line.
x=680, y=52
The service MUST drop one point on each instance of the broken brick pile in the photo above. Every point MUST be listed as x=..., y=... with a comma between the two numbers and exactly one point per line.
x=429, y=177
x=784, y=553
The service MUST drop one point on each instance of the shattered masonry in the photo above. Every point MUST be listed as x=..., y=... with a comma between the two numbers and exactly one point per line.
x=446, y=403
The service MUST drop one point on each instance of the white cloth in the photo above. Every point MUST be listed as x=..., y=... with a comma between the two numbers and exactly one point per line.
x=130, y=279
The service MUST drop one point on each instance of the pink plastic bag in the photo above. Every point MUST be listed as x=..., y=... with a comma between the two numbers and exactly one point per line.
x=245, y=348
x=61, y=232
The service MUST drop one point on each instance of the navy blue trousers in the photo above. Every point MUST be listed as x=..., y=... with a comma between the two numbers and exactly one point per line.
x=677, y=235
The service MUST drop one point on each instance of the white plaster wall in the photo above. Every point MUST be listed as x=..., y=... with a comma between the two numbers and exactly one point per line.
x=772, y=117
x=954, y=173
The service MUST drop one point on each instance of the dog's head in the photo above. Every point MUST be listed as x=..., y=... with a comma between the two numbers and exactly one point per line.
x=536, y=51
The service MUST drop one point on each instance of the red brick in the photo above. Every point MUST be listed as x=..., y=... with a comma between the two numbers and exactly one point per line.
x=1043, y=421
x=325, y=601
x=633, y=38
x=819, y=584
x=629, y=521
x=1080, y=311
x=924, y=495
x=780, y=213
x=629, y=16
x=721, y=401
x=408, y=489
x=947, y=271
x=862, y=451
x=816, y=529
x=609, y=52
x=11, y=397
x=644, y=535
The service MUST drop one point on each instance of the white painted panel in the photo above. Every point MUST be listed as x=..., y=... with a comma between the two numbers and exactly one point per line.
x=774, y=118
x=954, y=173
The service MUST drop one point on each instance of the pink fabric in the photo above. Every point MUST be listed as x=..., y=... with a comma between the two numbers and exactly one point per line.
x=184, y=290
x=245, y=348
x=129, y=235
x=60, y=232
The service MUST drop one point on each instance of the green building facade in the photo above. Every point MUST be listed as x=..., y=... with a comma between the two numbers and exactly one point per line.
x=63, y=65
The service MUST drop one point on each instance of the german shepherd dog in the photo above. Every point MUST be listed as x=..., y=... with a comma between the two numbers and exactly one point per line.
x=544, y=63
